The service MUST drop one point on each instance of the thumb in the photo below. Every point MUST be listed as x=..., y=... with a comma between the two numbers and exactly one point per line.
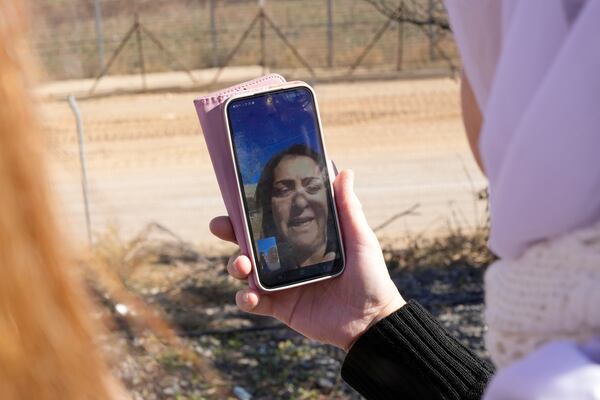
x=352, y=218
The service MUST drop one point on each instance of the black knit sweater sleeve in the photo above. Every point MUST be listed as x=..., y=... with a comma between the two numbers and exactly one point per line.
x=409, y=355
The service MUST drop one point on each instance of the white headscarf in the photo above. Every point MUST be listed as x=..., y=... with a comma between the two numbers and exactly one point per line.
x=534, y=67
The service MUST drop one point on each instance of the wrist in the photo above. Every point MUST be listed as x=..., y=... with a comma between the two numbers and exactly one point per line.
x=396, y=303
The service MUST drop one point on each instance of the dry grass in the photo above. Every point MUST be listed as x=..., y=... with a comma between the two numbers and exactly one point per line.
x=210, y=350
x=143, y=343
x=442, y=252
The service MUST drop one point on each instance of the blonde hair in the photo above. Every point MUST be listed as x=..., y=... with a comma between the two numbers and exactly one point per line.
x=47, y=349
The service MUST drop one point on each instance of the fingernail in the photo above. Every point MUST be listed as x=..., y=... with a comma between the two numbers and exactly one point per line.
x=246, y=298
x=335, y=168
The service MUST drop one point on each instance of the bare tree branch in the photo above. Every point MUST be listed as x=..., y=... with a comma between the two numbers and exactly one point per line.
x=413, y=12
x=410, y=211
x=424, y=14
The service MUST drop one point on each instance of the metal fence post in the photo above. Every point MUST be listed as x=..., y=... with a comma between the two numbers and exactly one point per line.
x=84, y=185
x=400, y=49
x=99, y=32
x=330, y=33
x=213, y=34
x=431, y=31
x=140, y=46
x=263, y=49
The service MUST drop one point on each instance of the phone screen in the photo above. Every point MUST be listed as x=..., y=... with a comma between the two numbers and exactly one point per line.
x=278, y=151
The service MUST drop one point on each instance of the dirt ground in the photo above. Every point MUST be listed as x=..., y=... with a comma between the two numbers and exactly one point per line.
x=147, y=160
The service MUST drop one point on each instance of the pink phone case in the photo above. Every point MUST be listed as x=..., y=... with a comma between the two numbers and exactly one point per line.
x=210, y=112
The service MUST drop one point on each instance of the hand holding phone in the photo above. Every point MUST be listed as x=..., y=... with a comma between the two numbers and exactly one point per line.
x=335, y=311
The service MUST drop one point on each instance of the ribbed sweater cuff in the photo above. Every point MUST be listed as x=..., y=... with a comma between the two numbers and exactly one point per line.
x=409, y=355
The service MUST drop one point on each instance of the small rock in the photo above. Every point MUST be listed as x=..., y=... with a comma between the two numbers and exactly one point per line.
x=241, y=393
x=250, y=362
x=262, y=349
x=331, y=374
x=324, y=383
x=169, y=391
x=122, y=309
x=204, y=352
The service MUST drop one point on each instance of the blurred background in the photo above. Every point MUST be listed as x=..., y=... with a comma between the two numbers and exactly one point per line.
x=134, y=182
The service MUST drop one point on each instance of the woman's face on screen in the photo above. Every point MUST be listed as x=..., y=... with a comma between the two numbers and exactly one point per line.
x=299, y=203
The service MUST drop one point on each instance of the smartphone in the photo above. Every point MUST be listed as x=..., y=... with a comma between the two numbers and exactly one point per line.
x=285, y=187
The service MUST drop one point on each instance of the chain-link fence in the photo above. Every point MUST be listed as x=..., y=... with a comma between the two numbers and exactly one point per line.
x=75, y=38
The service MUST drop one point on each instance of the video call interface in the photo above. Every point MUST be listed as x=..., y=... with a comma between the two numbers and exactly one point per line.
x=283, y=172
